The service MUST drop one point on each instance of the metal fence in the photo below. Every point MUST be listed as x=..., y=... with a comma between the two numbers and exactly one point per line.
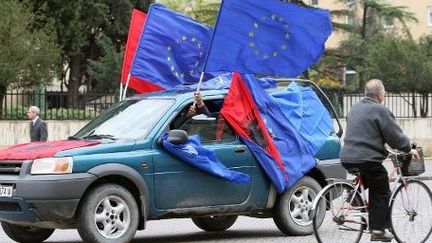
x=58, y=105
x=405, y=105
x=55, y=105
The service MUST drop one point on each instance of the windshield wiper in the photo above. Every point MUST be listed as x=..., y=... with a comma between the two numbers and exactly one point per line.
x=100, y=136
x=73, y=138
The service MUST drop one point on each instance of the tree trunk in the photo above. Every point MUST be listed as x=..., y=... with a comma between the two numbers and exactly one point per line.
x=424, y=105
x=414, y=104
x=363, y=29
x=3, y=90
x=74, y=80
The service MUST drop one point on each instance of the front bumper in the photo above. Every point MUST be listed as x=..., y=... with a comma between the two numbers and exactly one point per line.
x=43, y=200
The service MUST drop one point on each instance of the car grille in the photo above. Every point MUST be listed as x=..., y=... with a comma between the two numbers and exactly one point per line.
x=10, y=167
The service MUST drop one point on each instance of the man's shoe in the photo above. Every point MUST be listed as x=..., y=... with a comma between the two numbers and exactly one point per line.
x=381, y=236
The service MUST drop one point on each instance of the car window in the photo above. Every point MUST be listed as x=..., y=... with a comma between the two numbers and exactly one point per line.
x=210, y=127
x=129, y=119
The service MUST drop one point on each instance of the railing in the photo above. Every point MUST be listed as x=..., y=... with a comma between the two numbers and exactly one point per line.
x=405, y=105
x=58, y=105
x=55, y=105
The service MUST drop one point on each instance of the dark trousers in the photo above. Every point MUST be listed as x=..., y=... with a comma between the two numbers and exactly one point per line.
x=376, y=179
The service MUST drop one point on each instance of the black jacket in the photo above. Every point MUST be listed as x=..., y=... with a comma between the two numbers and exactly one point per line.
x=370, y=125
x=38, y=131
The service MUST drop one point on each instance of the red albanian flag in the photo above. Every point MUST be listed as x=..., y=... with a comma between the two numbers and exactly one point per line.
x=136, y=27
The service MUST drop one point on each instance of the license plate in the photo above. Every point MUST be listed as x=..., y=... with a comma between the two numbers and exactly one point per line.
x=6, y=191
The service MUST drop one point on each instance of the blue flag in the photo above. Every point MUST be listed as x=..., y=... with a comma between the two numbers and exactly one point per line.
x=171, y=50
x=196, y=155
x=223, y=82
x=267, y=37
x=306, y=113
x=283, y=148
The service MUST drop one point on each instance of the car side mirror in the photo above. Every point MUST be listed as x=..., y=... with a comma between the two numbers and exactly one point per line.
x=177, y=137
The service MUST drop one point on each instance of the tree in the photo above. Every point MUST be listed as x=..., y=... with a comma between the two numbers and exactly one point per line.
x=78, y=24
x=366, y=26
x=107, y=67
x=28, y=53
x=404, y=65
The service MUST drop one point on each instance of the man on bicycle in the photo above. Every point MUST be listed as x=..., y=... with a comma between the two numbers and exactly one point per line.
x=370, y=125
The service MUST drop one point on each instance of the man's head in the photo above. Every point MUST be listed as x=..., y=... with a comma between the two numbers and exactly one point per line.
x=33, y=112
x=374, y=88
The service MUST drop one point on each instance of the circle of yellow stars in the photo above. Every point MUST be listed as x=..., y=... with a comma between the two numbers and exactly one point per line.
x=170, y=56
x=253, y=33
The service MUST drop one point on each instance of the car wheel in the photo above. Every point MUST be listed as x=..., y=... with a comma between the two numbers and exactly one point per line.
x=26, y=233
x=108, y=213
x=215, y=223
x=293, y=212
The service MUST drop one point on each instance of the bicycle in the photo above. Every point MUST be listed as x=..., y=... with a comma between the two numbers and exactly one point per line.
x=346, y=215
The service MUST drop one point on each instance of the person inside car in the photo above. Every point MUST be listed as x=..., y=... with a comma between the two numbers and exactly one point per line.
x=198, y=107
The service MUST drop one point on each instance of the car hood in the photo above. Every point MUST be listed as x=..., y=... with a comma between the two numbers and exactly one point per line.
x=36, y=150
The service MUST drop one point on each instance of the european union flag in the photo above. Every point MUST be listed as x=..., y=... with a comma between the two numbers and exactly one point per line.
x=268, y=37
x=172, y=48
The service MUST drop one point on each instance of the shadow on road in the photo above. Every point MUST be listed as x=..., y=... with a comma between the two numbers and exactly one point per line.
x=204, y=236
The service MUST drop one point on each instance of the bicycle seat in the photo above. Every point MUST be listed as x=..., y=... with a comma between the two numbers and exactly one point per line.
x=354, y=171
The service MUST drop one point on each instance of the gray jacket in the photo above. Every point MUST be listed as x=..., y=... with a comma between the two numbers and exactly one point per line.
x=370, y=125
x=38, y=131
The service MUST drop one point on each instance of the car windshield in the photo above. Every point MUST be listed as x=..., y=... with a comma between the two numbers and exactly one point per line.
x=129, y=119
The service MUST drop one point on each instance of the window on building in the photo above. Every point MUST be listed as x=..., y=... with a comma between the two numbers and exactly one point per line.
x=349, y=20
x=350, y=79
x=388, y=22
x=430, y=16
x=313, y=2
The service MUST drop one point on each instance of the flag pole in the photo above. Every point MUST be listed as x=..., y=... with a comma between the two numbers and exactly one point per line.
x=200, y=82
x=126, y=87
x=121, y=91
x=209, y=49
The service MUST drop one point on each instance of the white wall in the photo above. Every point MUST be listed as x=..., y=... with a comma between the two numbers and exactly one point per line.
x=419, y=130
x=13, y=132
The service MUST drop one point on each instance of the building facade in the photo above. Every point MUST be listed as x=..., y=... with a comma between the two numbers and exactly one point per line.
x=422, y=10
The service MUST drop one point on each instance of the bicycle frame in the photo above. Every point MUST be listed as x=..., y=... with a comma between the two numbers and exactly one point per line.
x=358, y=187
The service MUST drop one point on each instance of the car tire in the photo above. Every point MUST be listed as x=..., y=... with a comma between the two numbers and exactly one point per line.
x=293, y=212
x=108, y=213
x=26, y=234
x=215, y=223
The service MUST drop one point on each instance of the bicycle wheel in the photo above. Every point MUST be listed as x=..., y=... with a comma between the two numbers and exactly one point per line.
x=411, y=212
x=342, y=221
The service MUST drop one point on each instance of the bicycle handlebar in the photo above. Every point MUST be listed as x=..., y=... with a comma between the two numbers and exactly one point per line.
x=397, y=152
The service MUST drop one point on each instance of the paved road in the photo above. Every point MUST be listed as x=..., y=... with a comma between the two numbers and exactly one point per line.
x=183, y=230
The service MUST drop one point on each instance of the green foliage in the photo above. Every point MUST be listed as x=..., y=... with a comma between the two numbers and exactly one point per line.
x=364, y=30
x=204, y=11
x=78, y=24
x=403, y=64
x=29, y=54
x=368, y=17
x=105, y=71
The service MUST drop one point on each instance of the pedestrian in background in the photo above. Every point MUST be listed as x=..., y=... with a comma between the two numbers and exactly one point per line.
x=38, y=127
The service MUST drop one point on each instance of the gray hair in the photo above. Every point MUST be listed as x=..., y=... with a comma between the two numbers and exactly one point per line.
x=374, y=88
x=35, y=109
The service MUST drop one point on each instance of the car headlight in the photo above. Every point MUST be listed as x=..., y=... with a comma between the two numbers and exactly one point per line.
x=52, y=166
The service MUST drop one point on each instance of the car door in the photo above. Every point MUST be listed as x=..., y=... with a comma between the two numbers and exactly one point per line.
x=180, y=185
